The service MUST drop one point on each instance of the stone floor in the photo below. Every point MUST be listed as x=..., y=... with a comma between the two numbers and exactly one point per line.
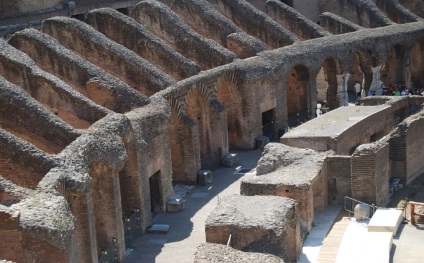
x=186, y=230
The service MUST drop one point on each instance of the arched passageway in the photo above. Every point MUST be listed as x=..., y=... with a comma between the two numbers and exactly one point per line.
x=211, y=126
x=327, y=83
x=298, y=98
x=230, y=97
x=416, y=64
x=396, y=70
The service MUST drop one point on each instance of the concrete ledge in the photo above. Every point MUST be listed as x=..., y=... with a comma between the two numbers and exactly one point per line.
x=385, y=220
x=359, y=245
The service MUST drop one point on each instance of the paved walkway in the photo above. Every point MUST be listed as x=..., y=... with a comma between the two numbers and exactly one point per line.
x=187, y=228
x=323, y=222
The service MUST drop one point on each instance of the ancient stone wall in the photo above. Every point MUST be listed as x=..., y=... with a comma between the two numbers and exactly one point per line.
x=396, y=12
x=294, y=21
x=51, y=92
x=209, y=252
x=336, y=24
x=339, y=178
x=370, y=173
x=113, y=58
x=95, y=141
x=256, y=23
x=83, y=76
x=205, y=52
x=256, y=225
x=137, y=38
x=281, y=172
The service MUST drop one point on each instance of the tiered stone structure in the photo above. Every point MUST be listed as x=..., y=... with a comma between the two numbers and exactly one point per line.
x=265, y=224
x=103, y=110
x=284, y=171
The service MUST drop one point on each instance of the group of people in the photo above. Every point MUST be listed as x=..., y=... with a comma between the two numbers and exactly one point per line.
x=396, y=90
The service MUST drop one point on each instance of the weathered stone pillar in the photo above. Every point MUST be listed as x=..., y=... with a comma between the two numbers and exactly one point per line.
x=376, y=82
x=407, y=72
x=342, y=89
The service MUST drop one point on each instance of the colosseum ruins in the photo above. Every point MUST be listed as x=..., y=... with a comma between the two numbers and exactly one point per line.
x=108, y=104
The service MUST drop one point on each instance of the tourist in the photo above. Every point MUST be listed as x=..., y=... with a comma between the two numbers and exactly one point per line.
x=358, y=89
x=396, y=92
x=390, y=90
x=404, y=92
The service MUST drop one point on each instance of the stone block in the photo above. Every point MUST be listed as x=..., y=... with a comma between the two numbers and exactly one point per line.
x=175, y=205
x=385, y=220
x=361, y=212
x=263, y=224
x=209, y=252
x=158, y=229
x=204, y=177
x=230, y=160
x=261, y=141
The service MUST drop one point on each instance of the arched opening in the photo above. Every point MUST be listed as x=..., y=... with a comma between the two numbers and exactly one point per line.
x=417, y=66
x=125, y=11
x=362, y=71
x=327, y=84
x=156, y=200
x=298, y=98
x=230, y=97
x=209, y=129
x=184, y=142
x=396, y=69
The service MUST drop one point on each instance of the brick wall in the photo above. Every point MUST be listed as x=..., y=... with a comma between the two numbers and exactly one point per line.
x=40, y=251
x=229, y=95
x=82, y=208
x=107, y=207
x=11, y=237
x=184, y=150
x=144, y=43
x=38, y=141
x=370, y=174
x=339, y=180
x=414, y=151
x=302, y=194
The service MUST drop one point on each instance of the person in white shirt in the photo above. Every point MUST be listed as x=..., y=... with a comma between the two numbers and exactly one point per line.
x=358, y=89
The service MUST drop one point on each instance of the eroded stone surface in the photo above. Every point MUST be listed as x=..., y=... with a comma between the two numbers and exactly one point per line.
x=214, y=253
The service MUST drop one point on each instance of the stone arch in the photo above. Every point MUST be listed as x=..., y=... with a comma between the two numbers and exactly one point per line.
x=210, y=118
x=396, y=67
x=229, y=95
x=416, y=55
x=298, y=95
x=184, y=145
x=327, y=82
x=361, y=71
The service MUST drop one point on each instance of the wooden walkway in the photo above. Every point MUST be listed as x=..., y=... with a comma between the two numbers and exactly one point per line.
x=331, y=243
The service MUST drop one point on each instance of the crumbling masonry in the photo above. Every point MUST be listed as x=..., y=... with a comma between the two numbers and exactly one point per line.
x=102, y=110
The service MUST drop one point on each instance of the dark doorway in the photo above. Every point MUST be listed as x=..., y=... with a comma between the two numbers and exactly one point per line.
x=288, y=2
x=80, y=17
x=124, y=11
x=268, y=123
x=155, y=193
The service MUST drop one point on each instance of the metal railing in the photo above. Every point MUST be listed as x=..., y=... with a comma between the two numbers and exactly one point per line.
x=349, y=205
x=109, y=255
x=132, y=228
x=229, y=240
